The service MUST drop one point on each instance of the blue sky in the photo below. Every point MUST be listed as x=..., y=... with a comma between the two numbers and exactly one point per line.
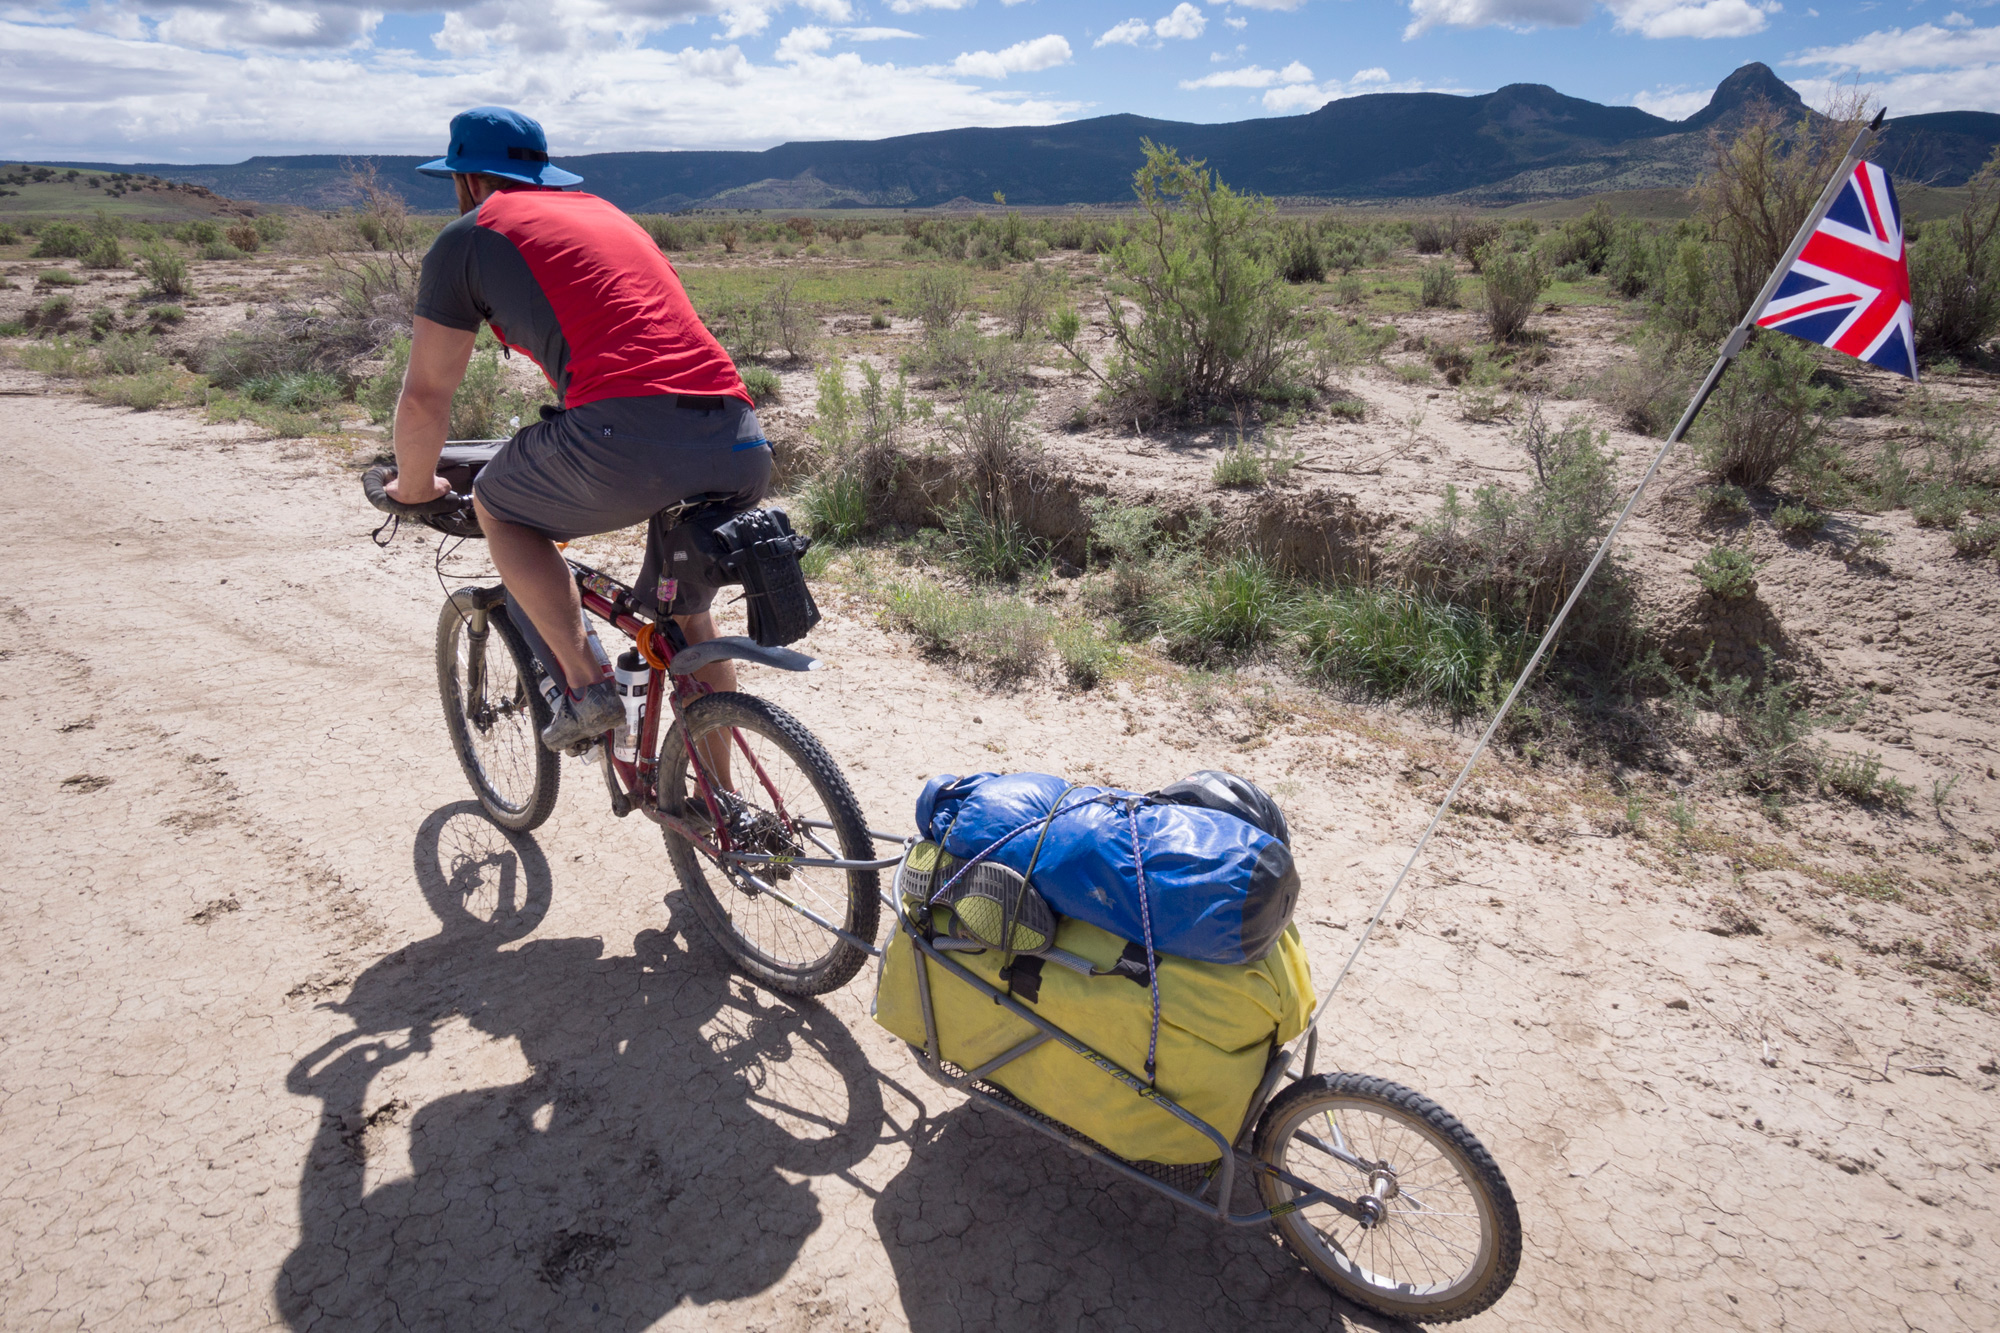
x=219, y=80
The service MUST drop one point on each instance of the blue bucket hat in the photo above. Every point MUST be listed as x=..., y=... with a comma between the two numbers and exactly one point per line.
x=494, y=141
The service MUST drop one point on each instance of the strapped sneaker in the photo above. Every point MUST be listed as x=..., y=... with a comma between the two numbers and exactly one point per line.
x=578, y=721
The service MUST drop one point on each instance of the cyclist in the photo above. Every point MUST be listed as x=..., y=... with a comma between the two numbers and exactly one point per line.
x=653, y=411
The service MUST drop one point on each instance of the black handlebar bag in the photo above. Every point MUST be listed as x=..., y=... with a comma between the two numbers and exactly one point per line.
x=754, y=549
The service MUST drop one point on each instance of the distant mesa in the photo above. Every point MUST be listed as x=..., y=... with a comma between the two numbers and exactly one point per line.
x=1521, y=142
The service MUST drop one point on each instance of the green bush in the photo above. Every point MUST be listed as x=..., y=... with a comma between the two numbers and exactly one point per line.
x=1514, y=283
x=1727, y=573
x=220, y=250
x=271, y=227
x=1239, y=466
x=141, y=393
x=1976, y=540
x=1440, y=284
x=52, y=313
x=1955, y=271
x=1767, y=414
x=127, y=354
x=483, y=407
x=57, y=277
x=938, y=297
x=1858, y=778
x=1087, y=655
x=987, y=541
x=1217, y=322
x=299, y=390
x=1798, y=521
x=1725, y=501
x=762, y=383
x=1230, y=607
x=61, y=240
x=166, y=314
x=834, y=506
x=1299, y=257
x=60, y=358
x=1399, y=643
x=1004, y=635
x=1939, y=505
x=165, y=272
x=9, y=236
x=198, y=233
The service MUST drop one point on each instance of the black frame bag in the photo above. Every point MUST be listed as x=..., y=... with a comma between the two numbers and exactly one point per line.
x=754, y=549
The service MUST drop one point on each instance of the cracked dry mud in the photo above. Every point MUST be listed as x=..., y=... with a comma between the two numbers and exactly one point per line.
x=261, y=1067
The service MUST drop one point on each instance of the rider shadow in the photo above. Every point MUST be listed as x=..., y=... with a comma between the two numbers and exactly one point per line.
x=993, y=1226
x=641, y=1162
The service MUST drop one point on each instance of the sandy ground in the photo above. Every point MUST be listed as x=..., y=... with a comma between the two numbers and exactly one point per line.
x=260, y=1068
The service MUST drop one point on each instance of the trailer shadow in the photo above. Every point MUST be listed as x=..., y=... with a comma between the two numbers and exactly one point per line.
x=651, y=1156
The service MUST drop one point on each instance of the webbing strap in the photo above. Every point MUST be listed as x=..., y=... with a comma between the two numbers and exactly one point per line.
x=1146, y=925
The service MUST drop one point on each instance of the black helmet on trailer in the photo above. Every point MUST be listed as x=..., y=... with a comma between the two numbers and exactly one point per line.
x=1212, y=789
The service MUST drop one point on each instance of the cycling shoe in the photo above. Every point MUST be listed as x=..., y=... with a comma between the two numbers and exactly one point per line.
x=580, y=720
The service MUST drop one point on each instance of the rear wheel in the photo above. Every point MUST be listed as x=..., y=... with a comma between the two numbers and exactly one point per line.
x=486, y=679
x=792, y=801
x=1447, y=1236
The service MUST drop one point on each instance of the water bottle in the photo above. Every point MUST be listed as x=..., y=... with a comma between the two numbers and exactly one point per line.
x=633, y=678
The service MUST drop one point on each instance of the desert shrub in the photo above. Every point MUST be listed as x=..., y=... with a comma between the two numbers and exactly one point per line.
x=1858, y=778
x=1473, y=238
x=165, y=272
x=1348, y=290
x=220, y=250
x=1631, y=266
x=1227, y=608
x=1440, y=284
x=1298, y=255
x=1004, y=635
x=1514, y=282
x=127, y=354
x=104, y=252
x=938, y=297
x=1239, y=466
x=376, y=290
x=878, y=319
x=1936, y=504
x=1397, y=643
x=1427, y=236
x=1976, y=540
x=271, y=228
x=987, y=542
x=57, y=277
x=856, y=427
x=319, y=234
x=481, y=408
x=1761, y=185
x=8, y=235
x=299, y=390
x=245, y=237
x=1218, y=323
x=140, y=392
x=1086, y=653
x=1763, y=724
x=198, y=233
x=1586, y=241
x=794, y=322
x=1798, y=521
x=61, y=358
x=61, y=240
x=52, y=313
x=1650, y=390
x=1570, y=273
x=1027, y=300
x=762, y=383
x=1517, y=555
x=1726, y=572
x=1767, y=414
x=1955, y=441
x=834, y=506
x=1725, y=501
x=964, y=356
x=286, y=339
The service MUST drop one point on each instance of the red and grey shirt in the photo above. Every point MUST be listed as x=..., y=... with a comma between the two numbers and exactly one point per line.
x=574, y=283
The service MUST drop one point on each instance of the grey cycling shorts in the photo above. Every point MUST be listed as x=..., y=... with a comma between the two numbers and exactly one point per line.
x=616, y=462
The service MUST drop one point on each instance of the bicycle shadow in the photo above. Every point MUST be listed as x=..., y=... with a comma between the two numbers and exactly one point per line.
x=993, y=1226
x=640, y=1164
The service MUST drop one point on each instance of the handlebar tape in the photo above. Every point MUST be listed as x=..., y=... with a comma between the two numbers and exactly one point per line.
x=374, y=483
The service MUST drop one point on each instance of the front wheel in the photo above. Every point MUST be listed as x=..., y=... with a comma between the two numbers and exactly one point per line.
x=486, y=678
x=1447, y=1240
x=784, y=796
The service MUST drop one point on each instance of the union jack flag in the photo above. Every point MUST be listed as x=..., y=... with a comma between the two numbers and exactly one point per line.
x=1849, y=289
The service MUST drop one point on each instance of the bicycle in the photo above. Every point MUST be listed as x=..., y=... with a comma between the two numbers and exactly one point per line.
x=1344, y=1165
x=790, y=846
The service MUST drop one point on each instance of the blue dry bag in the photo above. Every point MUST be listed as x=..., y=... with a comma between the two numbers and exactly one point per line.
x=1219, y=889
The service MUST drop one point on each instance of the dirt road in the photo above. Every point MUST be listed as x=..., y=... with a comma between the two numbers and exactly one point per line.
x=258, y=1067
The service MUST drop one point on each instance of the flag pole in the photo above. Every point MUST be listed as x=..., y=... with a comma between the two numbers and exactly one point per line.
x=1731, y=346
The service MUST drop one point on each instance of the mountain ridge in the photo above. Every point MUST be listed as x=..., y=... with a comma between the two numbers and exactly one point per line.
x=1517, y=143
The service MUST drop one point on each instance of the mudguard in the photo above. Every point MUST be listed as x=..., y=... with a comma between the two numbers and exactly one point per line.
x=735, y=647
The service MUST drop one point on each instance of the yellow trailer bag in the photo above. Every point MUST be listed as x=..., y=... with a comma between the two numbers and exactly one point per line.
x=1217, y=1024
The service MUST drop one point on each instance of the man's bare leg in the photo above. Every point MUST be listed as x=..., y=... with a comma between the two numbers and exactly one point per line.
x=534, y=572
x=700, y=628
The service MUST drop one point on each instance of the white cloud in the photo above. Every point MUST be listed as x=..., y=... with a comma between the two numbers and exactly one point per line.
x=1375, y=75
x=1649, y=18
x=1922, y=47
x=1251, y=76
x=1021, y=58
x=834, y=11
x=800, y=42
x=1675, y=103
x=875, y=34
x=1185, y=23
x=237, y=27
x=1956, y=20
x=916, y=6
x=1283, y=6
x=1132, y=32
x=1237, y=23
x=69, y=93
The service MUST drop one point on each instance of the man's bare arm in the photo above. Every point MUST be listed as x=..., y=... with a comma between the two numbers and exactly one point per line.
x=438, y=356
